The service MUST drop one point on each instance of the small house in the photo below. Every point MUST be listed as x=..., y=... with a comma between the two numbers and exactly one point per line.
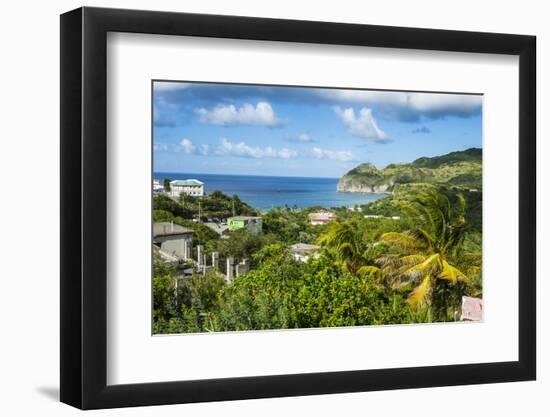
x=173, y=240
x=321, y=217
x=252, y=223
x=302, y=252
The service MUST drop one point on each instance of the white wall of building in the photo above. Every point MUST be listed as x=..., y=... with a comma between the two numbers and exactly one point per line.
x=192, y=190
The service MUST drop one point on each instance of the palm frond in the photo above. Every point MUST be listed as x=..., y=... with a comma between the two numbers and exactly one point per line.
x=388, y=261
x=404, y=241
x=419, y=297
x=413, y=259
x=370, y=271
x=452, y=274
x=430, y=265
x=424, y=236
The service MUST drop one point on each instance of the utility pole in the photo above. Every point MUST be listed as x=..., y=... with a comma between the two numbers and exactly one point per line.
x=199, y=211
x=233, y=201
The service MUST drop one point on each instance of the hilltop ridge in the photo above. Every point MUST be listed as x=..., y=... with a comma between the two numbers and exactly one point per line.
x=459, y=169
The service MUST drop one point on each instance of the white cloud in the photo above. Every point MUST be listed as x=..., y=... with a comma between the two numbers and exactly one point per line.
x=365, y=96
x=301, y=138
x=342, y=156
x=204, y=149
x=187, y=147
x=226, y=148
x=449, y=103
x=364, y=125
x=169, y=86
x=159, y=147
x=241, y=149
x=227, y=115
x=431, y=105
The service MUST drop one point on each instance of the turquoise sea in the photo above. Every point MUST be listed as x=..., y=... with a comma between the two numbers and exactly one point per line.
x=264, y=192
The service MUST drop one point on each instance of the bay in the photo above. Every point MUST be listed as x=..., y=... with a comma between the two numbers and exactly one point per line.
x=267, y=192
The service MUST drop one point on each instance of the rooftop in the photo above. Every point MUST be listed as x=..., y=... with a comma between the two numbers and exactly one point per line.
x=303, y=248
x=245, y=218
x=322, y=214
x=169, y=229
x=190, y=182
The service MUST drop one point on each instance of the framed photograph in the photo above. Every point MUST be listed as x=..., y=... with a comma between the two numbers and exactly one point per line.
x=257, y=208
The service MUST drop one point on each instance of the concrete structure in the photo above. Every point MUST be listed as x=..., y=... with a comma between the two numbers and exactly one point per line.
x=242, y=267
x=202, y=267
x=229, y=270
x=157, y=186
x=472, y=309
x=173, y=240
x=321, y=217
x=252, y=223
x=200, y=255
x=192, y=187
x=215, y=260
x=302, y=252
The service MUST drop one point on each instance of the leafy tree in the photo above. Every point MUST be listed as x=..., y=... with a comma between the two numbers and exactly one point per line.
x=282, y=293
x=291, y=226
x=166, y=184
x=241, y=244
x=165, y=203
x=163, y=296
x=424, y=252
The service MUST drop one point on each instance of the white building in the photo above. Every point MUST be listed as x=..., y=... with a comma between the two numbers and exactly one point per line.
x=302, y=252
x=190, y=187
x=378, y=216
x=321, y=217
x=157, y=186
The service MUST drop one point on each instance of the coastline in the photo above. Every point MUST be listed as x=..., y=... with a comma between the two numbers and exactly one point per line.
x=267, y=192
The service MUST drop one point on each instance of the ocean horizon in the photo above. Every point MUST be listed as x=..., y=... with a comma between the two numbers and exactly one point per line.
x=267, y=192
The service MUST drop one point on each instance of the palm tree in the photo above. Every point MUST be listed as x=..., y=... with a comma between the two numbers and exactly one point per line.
x=341, y=239
x=437, y=233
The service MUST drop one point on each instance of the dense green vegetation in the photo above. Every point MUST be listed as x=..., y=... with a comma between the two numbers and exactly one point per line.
x=391, y=205
x=215, y=205
x=279, y=294
x=458, y=169
x=382, y=270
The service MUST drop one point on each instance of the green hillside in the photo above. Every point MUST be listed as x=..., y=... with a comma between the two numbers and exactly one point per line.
x=469, y=155
x=457, y=169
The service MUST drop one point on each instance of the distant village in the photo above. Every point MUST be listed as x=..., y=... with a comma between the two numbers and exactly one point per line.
x=174, y=243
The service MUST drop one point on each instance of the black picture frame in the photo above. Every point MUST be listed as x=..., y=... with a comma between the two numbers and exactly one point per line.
x=84, y=207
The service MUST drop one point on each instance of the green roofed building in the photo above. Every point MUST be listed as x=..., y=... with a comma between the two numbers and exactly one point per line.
x=252, y=223
x=190, y=187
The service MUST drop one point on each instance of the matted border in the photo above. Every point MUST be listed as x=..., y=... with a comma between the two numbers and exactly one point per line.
x=84, y=208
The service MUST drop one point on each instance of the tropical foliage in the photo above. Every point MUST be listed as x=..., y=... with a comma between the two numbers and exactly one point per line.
x=412, y=267
x=424, y=252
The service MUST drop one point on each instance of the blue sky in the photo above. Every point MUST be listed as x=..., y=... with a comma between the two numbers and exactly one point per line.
x=301, y=131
